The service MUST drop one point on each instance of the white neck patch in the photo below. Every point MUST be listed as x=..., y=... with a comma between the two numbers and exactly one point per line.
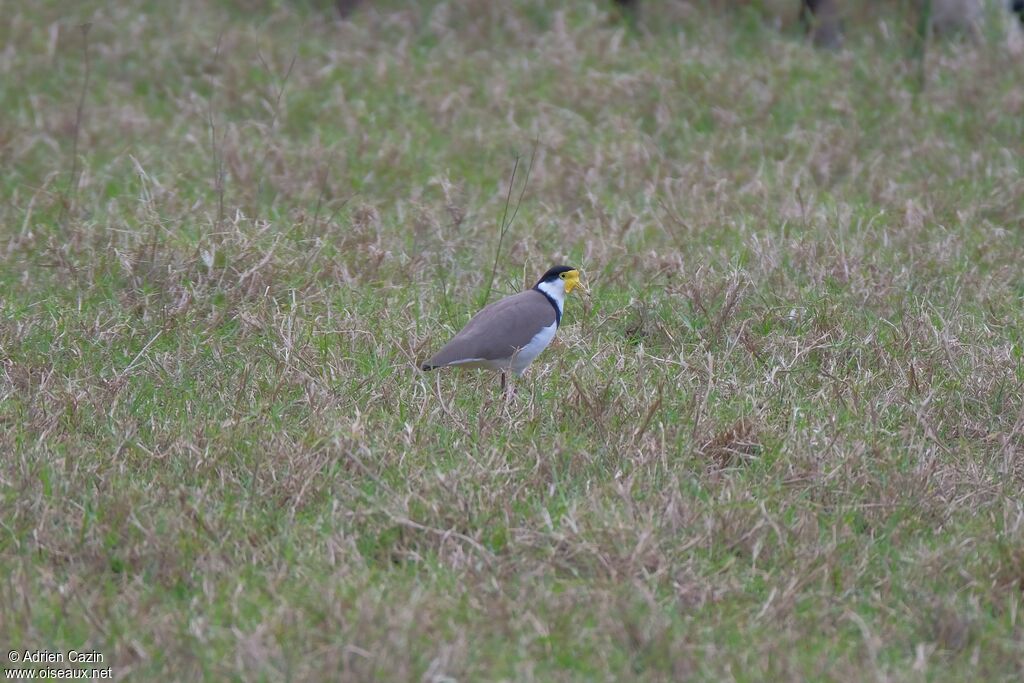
x=556, y=290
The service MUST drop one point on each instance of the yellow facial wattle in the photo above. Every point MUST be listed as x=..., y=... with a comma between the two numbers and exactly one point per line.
x=572, y=280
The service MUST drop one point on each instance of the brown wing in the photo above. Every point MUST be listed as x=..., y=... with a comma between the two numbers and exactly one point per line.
x=498, y=330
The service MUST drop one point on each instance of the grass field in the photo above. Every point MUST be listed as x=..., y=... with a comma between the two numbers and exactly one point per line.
x=781, y=439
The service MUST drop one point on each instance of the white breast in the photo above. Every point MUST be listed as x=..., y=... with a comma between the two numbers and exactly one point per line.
x=539, y=342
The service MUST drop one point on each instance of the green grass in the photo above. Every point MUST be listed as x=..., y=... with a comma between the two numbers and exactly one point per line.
x=780, y=440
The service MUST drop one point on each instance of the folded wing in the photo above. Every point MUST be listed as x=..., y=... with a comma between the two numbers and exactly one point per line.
x=497, y=331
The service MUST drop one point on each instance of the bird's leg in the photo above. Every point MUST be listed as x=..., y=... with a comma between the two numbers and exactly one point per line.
x=504, y=383
x=510, y=390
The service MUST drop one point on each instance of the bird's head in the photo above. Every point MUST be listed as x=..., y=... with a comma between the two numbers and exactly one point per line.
x=559, y=281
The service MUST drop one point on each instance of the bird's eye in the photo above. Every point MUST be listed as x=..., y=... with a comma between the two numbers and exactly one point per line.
x=562, y=276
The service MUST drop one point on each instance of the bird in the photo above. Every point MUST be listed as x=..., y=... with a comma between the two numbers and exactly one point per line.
x=510, y=333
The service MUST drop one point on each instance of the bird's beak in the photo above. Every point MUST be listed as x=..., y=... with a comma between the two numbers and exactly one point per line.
x=577, y=282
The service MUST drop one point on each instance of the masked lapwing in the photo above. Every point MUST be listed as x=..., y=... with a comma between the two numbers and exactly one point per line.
x=507, y=335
